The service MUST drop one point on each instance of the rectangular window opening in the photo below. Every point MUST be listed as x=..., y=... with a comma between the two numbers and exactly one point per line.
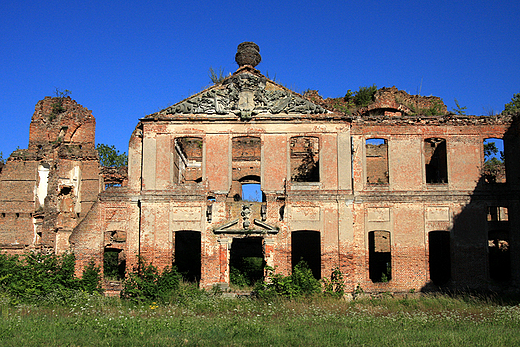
x=305, y=159
x=497, y=214
x=380, y=256
x=376, y=151
x=436, y=163
x=494, y=168
x=187, y=160
x=246, y=166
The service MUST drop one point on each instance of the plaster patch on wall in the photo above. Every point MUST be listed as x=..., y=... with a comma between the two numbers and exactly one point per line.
x=310, y=213
x=438, y=214
x=379, y=214
x=187, y=213
x=43, y=175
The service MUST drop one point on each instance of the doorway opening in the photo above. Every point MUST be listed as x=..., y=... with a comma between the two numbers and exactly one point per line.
x=246, y=261
x=306, y=246
x=187, y=254
x=439, y=256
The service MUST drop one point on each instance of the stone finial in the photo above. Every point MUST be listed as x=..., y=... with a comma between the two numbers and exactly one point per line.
x=248, y=54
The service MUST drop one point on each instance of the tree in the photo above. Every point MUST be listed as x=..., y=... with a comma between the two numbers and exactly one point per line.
x=493, y=167
x=513, y=106
x=460, y=110
x=109, y=156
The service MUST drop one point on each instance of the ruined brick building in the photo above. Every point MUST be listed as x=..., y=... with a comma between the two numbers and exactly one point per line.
x=395, y=194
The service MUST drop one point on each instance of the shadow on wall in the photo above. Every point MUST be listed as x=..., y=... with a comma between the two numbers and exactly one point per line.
x=481, y=252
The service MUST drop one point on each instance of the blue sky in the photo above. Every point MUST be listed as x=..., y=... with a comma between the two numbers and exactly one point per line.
x=126, y=59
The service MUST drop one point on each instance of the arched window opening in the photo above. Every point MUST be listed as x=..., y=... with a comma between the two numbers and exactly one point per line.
x=187, y=160
x=188, y=254
x=380, y=256
x=436, y=160
x=306, y=246
x=246, y=263
x=494, y=168
x=305, y=157
x=439, y=256
x=377, y=161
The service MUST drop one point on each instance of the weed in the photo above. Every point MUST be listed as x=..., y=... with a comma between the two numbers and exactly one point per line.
x=57, y=106
x=216, y=76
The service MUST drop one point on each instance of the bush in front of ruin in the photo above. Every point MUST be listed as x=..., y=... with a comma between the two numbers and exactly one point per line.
x=38, y=277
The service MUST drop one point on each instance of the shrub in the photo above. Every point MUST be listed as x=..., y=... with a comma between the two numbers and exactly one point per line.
x=334, y=287
x=91, y=279
x=147, y=284
x=37, y=275
x=300, y=283
x=365, y=95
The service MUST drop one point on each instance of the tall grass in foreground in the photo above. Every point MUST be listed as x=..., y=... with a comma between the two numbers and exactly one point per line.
x=203, y=319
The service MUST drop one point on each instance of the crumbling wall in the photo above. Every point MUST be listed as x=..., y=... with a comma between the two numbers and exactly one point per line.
x=47, y=189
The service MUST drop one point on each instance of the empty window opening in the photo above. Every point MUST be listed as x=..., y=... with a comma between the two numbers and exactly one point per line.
x=305, y=159
x=377, y=161
x=246, y=165
x=380, y=256
x=246, y=263
x=65, y=190
x=499, y=255
x=439, y=256
x=187, y=160
x=188, y=254
x=497, y=214
x=306, y=246
x=114, y=264
x=436, y=160
x=494, y=168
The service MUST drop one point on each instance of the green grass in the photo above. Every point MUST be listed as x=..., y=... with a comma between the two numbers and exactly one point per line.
x=206, y=320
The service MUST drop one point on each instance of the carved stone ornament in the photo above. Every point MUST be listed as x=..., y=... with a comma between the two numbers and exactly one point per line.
x=245, y=95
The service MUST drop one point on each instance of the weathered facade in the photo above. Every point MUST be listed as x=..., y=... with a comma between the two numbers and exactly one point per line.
x=395, y=199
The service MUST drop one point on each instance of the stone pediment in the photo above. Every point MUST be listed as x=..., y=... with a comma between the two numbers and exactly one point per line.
x=246, y=94
x=246, y=224
x=235, y=227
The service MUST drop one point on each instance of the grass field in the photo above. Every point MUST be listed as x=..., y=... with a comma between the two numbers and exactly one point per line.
x=205, y=320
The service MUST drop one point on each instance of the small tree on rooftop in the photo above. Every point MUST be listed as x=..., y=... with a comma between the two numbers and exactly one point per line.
x=460, y=110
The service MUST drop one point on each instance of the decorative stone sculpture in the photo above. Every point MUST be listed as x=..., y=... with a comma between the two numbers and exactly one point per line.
x=246, y=96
